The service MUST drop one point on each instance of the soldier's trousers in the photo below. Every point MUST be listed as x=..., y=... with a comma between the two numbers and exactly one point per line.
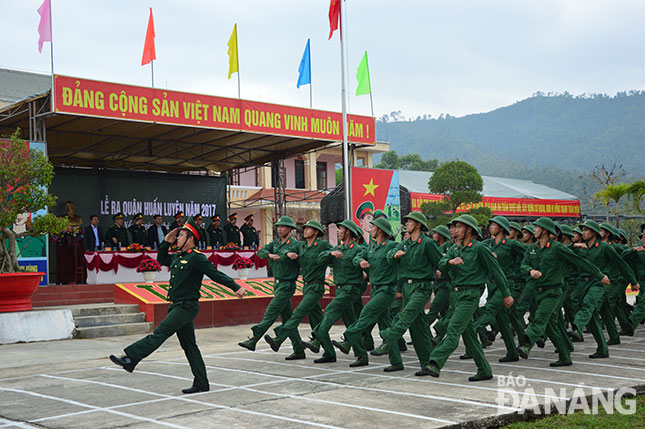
x=180, y=321
x=440, y=302
x=411, y=316
x=461, y=325
x=638, y=313
x=592, y=292
x=280, y=306
x=546, y=321
x=376, y=310
x=312, y=293
x=341, y=306
x=613, y=309
x=495, y=312
x=442, y=325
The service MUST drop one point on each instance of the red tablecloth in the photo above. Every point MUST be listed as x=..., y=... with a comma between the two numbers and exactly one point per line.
x=111, y=261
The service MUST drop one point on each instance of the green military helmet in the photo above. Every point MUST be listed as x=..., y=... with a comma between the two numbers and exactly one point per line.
x=384, y=225
x=529, y=228
x=418, y=217
x=503, y=222
x=590, y=224
x=514, y=225
x=443, y=231
x=566, y=230
x=578, y=230
x=609, y=228
x=470, y=221
x=312, y=223
x=286, y=221
x=353, y=228
x=192, y=227
x=546, y=223
x=622, y=233
x=379, y=213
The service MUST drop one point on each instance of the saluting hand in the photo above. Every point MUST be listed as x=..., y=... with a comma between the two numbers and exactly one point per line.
x=605, y=281
x=398, y=254
x=292, y=256
x=535, y=274
x=337, y=254
x=171, y=237
x=240, y=292
x=364, y=264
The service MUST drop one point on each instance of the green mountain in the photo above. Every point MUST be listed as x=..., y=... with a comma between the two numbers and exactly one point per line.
x=550, y=139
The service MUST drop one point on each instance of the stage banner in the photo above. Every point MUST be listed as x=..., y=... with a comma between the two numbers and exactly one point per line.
x=108, y=192
x=135, y=103
x=510, y=206
x=375, y=189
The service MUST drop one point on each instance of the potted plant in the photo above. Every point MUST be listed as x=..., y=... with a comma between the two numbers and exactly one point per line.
x=148, y=267
x=243, y=266
x=25, y=176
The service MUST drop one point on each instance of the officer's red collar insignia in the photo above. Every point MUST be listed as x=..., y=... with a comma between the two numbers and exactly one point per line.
x=288, y=241
x=470, y=244
x=503, y=241
x=383, y=243
x=419, y=240
x=315, y=243
x=548, y=244
x=351, y=246
x=597, y=244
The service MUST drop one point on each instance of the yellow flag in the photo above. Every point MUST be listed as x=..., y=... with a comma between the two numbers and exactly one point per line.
x=233, y=64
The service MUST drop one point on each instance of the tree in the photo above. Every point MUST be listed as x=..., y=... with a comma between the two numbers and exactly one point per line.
x=24, y=178
x=412, y=161
x=458, y=182
x=612, y=192
x=636, y=193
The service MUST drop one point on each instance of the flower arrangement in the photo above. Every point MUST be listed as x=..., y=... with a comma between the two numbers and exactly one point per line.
x=148, y=265
x=135, y=247
x=242, y=262
x=67, y=237
x=231, y=246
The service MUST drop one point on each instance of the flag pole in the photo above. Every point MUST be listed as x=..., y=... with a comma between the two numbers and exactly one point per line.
x=51, y=42
x=310, y=84
x=152, y=70
x=346, y=166
x=369, y=79
x=237, y=58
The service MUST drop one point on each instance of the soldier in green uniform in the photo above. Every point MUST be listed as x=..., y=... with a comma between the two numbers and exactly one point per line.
x=635, y=257
x=546, y=261
x=349, y=287
x=569, y=301
x=231, y=230
x=605, y=257
x=419, y=256
x=471, y=264
x=249, y=233
x=441, y=287
x=379, y=213
x=283, y=258
x=215, y=233
x=527, y=297
x=515, y=231
x=509, y=254
x=187, y=268
x=313, y=276
x=202, y=232
x=442, y=325
x=383, y=275
x=179, y=221
x=137, y=231
x=116, y=235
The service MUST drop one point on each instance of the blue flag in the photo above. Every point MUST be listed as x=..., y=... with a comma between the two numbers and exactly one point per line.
x=304, y=70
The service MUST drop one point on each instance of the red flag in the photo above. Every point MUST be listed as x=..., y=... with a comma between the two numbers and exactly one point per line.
x=149, y=46
x=334, y=13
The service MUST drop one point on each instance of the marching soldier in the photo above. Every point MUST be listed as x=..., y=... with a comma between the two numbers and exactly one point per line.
x=546, y=262
x=471, y=264
x=179, y=221
x=137, y=231
x=231, y=230
x=313, y=276
x=419, y=256
x=187, y=268
x=117, y=235
x=441, y=287
x=349, y=287
x=215, y=233
x=250, y=234
x=636, y=259
x=283, y=257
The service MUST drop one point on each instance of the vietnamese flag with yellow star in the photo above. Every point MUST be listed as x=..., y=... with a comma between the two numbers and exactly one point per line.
x=375, y=189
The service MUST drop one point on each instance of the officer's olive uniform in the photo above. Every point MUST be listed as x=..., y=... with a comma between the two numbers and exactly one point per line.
x=216, y=236
x=593, y=292
x=417, y=269
x=285, y=272
x=187, y=270
x=636, y=261
x=250, y=235
x=468, y=280
x=232, y=234
x=383, y=274
x=121, y=235
x=138, y=234
x=551, y=260
x=313, y=276
x=349, y=287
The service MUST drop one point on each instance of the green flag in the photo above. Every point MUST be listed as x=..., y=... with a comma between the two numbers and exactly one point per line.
x=363, y=77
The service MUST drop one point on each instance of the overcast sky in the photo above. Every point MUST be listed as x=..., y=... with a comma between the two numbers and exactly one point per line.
x=426, y=56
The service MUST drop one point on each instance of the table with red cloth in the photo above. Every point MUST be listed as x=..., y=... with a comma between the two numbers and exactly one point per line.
x=121, y=266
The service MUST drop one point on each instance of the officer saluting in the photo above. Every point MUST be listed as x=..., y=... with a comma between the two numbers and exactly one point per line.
x=187, y=268
x=249, y=233
x=117, y=235
x=232, y=231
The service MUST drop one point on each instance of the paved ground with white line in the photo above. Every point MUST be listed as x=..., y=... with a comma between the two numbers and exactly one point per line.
x=72, y=384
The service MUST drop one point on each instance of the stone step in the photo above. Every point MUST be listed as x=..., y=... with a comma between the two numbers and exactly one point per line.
x=103, y=309
x=113, y=330
x=109, y=319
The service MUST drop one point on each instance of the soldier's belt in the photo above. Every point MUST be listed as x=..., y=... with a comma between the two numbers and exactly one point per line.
x=467, y=287
x=317, y=282
x=385, y=285
x=543, y=288
x=586, y=279
x=411, y=281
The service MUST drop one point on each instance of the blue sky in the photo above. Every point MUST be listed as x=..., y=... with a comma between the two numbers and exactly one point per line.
x=426, y=57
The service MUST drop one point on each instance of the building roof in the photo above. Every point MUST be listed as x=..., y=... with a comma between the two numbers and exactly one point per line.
x=16, y=85
x=500, y=187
